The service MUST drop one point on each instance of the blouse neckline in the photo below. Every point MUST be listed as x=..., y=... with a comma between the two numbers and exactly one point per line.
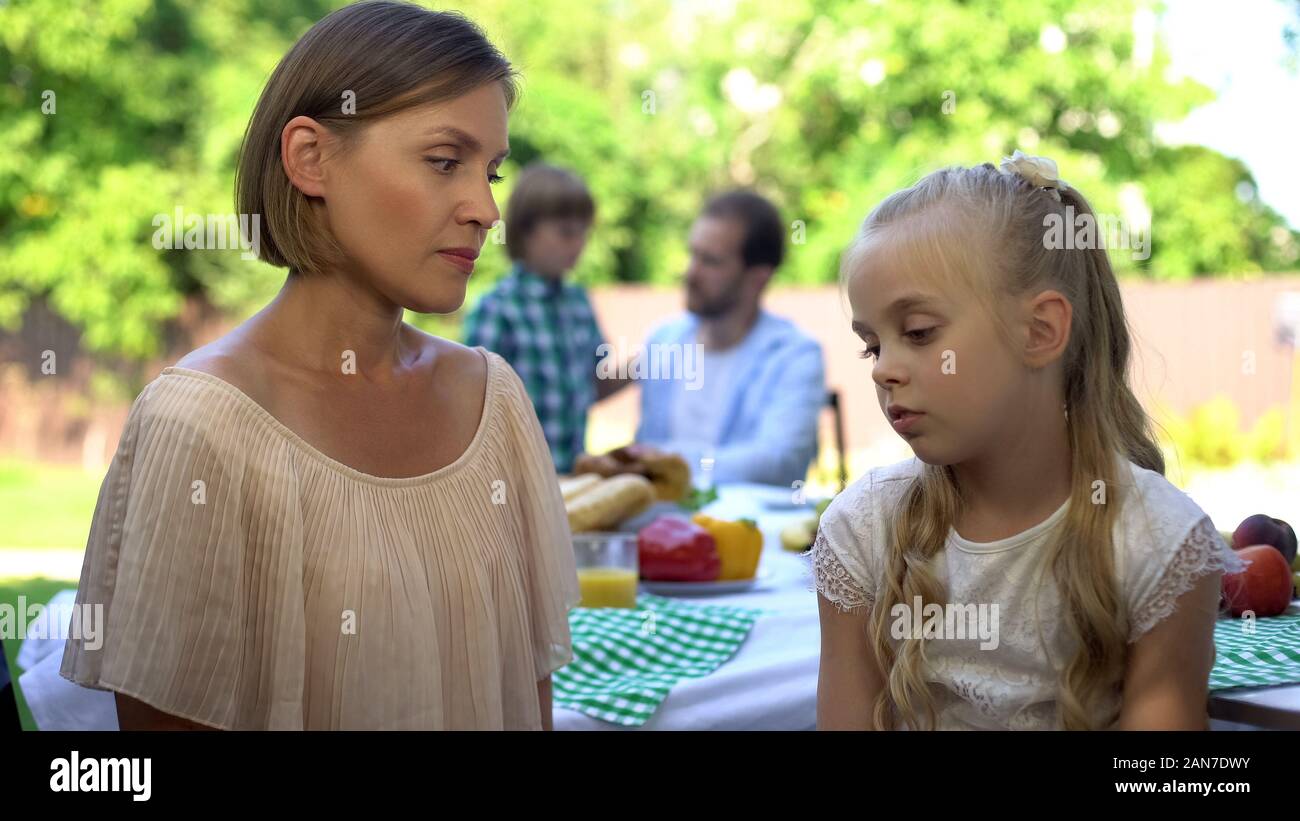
x=489, y=408
x=1010, y=542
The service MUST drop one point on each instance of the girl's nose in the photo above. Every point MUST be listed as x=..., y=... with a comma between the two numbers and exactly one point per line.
x=888, y=373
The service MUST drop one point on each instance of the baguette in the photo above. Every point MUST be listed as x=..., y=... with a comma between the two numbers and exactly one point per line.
x=668, y=472
x=573, y=486
x=609, y=502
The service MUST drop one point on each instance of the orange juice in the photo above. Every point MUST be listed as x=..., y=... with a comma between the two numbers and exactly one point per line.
x=607, y=586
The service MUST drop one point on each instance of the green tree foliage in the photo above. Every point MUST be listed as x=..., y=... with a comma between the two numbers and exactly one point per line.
x=825, y=105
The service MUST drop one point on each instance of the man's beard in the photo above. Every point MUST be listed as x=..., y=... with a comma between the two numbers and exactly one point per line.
x=720, y=305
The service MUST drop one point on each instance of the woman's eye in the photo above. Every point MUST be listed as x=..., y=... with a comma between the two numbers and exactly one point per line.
x=446, y=165
x=870, y=351
x=443, y=164
x=919, y=335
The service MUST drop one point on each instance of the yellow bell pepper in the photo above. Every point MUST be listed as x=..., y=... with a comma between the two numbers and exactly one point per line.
x=740, y=543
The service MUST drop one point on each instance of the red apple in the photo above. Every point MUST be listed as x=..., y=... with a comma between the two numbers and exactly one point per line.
x=1262, y=529
x=1264, y=586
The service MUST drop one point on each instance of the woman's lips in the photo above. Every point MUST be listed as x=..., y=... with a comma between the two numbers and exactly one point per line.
x=464, y=263
x=904, y=423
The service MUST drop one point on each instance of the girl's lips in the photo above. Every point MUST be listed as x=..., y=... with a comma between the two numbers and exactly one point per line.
x=905, y=422
x=464, y=263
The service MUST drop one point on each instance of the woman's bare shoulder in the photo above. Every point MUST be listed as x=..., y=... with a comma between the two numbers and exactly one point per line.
x=235, y=361
x=455, y=362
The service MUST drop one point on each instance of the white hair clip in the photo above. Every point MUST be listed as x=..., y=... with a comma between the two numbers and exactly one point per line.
x=1040, y=171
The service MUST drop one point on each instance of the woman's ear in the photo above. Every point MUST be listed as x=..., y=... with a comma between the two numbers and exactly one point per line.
x=301, y=144
x=1048, y=315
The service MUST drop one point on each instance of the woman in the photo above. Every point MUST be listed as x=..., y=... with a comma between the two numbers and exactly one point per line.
x=327, y=519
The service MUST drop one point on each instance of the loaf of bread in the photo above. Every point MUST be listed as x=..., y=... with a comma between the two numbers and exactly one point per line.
x=609, y=501
x=667, y=472
x=571, y=486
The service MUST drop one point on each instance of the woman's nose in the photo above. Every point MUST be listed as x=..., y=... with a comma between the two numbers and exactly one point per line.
x=481, y=207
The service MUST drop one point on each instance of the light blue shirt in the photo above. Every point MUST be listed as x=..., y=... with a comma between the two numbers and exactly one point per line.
x=769, y=408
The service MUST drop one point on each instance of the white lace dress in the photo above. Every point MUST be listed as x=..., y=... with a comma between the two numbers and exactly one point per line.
x=1006, y=676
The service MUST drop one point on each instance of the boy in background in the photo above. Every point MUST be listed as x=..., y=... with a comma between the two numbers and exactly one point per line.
x=543, y=326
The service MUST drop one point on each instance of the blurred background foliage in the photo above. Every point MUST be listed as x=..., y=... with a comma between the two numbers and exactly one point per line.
x=825, y=105
x=1211, y=435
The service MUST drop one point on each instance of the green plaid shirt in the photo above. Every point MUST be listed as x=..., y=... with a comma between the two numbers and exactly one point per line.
x=547, y=331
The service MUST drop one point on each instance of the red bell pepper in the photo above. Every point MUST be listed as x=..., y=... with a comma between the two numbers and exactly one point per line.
x=673, y=549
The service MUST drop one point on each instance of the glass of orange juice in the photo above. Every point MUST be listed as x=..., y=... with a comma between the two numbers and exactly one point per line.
x=607, y=568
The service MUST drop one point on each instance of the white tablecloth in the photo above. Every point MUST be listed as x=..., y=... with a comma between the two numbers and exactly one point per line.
x=55, y=702
x=771, y=682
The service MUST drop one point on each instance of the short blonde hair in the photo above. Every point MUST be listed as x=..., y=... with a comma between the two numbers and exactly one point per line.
x=385, y=57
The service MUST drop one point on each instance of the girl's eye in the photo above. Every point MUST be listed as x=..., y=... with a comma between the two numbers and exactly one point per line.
x=493, y=179
x=919, y=335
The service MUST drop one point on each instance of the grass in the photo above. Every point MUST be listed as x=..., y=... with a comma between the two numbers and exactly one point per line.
x=35, y=589
x=44, y=505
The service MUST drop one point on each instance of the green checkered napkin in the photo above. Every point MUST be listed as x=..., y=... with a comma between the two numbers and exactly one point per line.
x=1269, y=655
x=625, y=661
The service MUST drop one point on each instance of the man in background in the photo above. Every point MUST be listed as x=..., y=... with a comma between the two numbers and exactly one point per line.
x=751, y=413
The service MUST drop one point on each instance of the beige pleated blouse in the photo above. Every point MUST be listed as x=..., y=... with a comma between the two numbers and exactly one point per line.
x=249, y=581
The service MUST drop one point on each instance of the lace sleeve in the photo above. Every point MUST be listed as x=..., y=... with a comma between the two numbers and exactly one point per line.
x=833, y=581
x=1202, y=551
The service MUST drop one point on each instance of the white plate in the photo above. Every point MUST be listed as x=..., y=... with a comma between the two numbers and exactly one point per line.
x=705, y=588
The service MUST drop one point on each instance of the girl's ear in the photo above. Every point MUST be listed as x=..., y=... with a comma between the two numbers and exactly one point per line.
x=1048, y=315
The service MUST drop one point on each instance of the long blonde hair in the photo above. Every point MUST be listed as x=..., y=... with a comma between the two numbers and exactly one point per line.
x=1104, y=419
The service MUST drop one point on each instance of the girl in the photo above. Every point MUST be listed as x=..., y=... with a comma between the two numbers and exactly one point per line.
x=1036, y=499
x=327, y=519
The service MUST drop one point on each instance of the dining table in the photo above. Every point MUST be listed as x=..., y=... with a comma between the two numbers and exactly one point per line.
x=770, y=683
